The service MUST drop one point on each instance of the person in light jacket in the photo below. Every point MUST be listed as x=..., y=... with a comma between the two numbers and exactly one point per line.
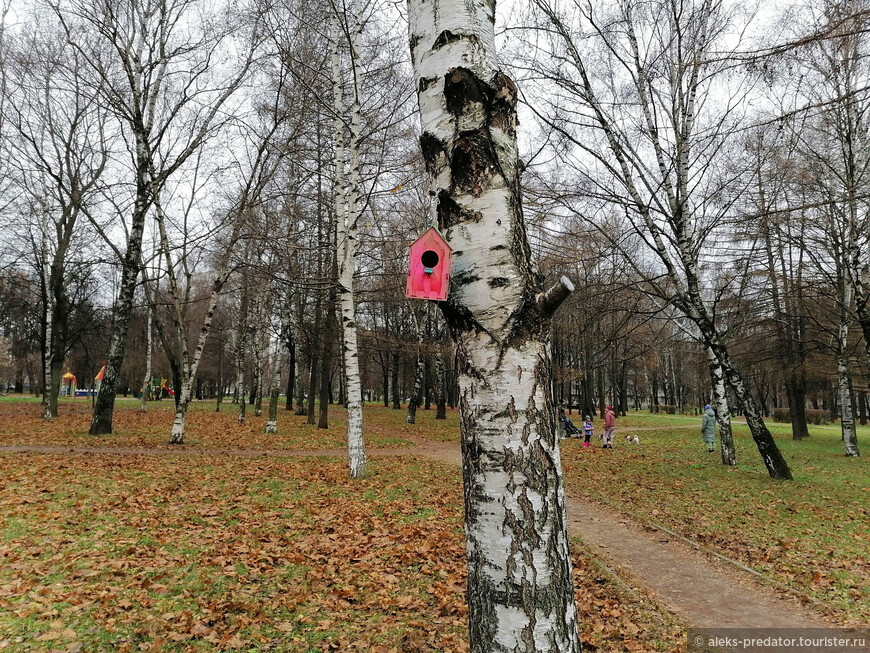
x=609, y=426
x=708, y=429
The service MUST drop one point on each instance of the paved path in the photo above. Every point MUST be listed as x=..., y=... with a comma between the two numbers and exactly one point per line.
x=705, y=593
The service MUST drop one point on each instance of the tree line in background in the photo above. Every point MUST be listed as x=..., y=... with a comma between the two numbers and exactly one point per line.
x=226, y=202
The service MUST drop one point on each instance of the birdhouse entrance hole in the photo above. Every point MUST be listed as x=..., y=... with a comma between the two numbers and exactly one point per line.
x=429, y=261
x=428, y=267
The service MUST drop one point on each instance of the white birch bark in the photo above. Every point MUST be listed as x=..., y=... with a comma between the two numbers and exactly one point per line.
x=282, y=354
x=240, y=365
x=347, y=214
x=48, y=353
x=146, y=382
x=191, y=362
x=261, y=345
x=440, y=397
x=274, y=389
x=520, y=589
x=419, y=373
x=844, y=385
x=720, y=407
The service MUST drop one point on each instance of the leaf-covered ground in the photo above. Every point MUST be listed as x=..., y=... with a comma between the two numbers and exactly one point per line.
x=106, y=552
x=22, y=423
x=812, y=534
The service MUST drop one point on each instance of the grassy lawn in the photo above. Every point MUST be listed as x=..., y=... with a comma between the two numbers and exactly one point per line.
x=102, y=552
x=812, y=534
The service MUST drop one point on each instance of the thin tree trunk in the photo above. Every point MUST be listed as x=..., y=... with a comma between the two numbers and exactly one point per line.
x=520, y=588
x=104, y=406
x=416, y=396
x=385, y=378
x=844, y=392
x=291, y=374
x=326, y=360
x=440, y=395
x=274, y=391
x=720, y=407
x=260, y=348
x=241, y=347
x=347, y=214
x=315, y=369
x=282, y=355
x=394, y=365
x=146, y=382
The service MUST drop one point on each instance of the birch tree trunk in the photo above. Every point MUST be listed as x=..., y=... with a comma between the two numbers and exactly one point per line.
x=260, y=347
x=347, y=214
x=440, y=395
x=394, y=373
x=282, y=354
x=240, y=347
x=291, y=374
x=146, y=382
x=416, y=395
x=720, y=407
x=326, y=358
x=520, y=589
x=48, y=319
x=844, y=391
x=274, y=391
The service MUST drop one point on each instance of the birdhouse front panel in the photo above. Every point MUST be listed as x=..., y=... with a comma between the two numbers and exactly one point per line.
x=428, y=267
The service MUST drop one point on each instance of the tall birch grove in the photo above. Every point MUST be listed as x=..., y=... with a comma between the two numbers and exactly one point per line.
x=520, y=590
x=157, y=77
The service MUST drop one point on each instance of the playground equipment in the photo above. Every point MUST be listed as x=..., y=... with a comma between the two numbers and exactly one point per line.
x=68, y=385
x=157, y=389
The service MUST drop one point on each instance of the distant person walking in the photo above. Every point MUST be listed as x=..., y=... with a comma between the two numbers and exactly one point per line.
x=609, y=427
x=708, y=429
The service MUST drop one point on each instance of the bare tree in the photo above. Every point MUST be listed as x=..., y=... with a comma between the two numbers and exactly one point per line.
x=58, y=150
x=656, y=157
x=155, y=67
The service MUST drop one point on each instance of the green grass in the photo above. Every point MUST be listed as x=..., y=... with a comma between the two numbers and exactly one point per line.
x=812, y=534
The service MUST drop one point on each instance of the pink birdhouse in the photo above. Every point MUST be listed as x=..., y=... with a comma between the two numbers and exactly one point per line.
x=428, y=267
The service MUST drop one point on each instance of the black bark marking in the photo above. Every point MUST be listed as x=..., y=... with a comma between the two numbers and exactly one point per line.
x=446, y=37
x=512, y=411
x=413, y=42
x=503, y=110
x=499, y=282
x=461, y=88
x=426, y=83
x=474, y=162
x=432, y=149
x=451, y=213
x=464, y=277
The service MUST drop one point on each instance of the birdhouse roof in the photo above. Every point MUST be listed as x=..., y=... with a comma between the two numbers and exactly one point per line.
x=431, y=237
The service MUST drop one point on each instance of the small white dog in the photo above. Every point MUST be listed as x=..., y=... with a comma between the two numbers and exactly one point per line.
x=633, y=439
